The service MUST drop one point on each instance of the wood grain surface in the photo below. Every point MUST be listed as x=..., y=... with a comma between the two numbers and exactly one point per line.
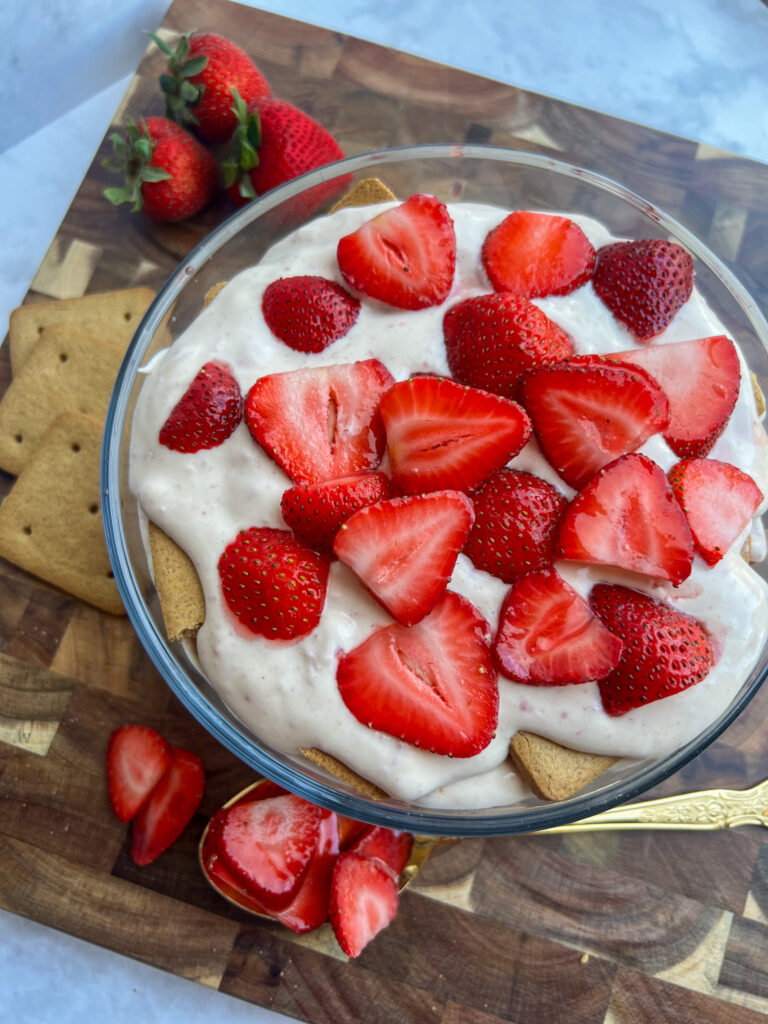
x=614, y=928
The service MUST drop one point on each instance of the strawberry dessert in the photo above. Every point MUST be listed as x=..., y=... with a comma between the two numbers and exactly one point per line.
x=447, y=473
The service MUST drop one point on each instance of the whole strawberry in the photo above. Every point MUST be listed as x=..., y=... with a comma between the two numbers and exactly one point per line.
x=168, y=174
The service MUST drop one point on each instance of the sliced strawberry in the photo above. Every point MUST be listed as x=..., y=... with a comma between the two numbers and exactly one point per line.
x=627, y=516
x=320, y=422
x=207, y=413
x=350, y=830
x=586, y=414
x=719, y=501
x=170, y=807
x=664, y=651
x=310, y=906
x=548, y=635
x=390, y=848
x=404, y=549
x=516, y=520
x=432, y=685
x=316, y=511
x=537, y=254
x=273, y=583
x=644, y=283
x=491, y=340
x=405, y=256
x=137, y=758
x=308, y=313
x=364, y=900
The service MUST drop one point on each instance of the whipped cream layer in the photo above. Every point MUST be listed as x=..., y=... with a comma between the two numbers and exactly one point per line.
x=286, y=693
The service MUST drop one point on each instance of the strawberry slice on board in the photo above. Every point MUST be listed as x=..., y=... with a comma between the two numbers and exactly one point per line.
x=364, y=900
x=308, y=313
x=537, y=254
x=207, y=413
x=664, y=652
x=390, y=848
x=432, y=685
x=404, y=549
x=323, y=422
x=170, y=807
x=315, y=512
x=137, y=758
x=719, y=501
x=549, y=636
x=627, y=516
x=444, y=436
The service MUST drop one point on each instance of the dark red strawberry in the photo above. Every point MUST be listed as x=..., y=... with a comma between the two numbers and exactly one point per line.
x=323, y=422
x=516, y=520
x=137, y=758
x=664, y=651
x=644, y=283
x=537, y=254
x=432, y=685
x=316, y=511
x=273, y=583
x=548, y=636
x=442, y=435
x=390, y=848
x=492, y=340
x=170, y=807
x=308, y=313
x=350, y=831
x=719, y=501
x=207, y=413
x=364, y=900
x=627, y=516
x=404, y=549
x=405, y=256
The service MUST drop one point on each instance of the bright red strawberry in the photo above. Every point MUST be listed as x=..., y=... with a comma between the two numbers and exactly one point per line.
x=516, y=520
x=491, y=340
x=323, y=422
x=664, y=651
x=137, y=758
x=719, y=502
x=442, y=435
x=390, y=848
x=548, y=636
x=202, y=72
x=315, y=512
x=310, y=906
x=170, y=807
x=273, y=583
x=627, y=516
x=207, y=413
x=404, y=549
x=644, y=283
x=364, y=900
x=701, y=379
x=432, y=685
x=586, y=414
x=405, y=256
x=537, y=254
x=167, y=173
x=308, y=313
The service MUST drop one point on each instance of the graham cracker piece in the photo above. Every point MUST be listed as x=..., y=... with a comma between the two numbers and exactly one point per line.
x=338, y=769
x=552, y=771
x=757, y=391
x=50, y=523
x=364, y=193
x=178, y=586
x=212, y=292
x=66, y=370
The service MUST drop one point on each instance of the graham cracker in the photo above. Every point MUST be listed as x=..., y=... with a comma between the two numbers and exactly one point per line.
x=364, y=193
x=178, y=586
x=50, y=523
x=757, y=391
x=212, y=292
x=552, y=771
x=340, y=771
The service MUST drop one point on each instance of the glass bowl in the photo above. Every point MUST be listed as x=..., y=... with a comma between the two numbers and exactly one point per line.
x=501, y=177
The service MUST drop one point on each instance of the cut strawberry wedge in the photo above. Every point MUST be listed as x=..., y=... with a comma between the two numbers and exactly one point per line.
x=390, y=848
x=310, y=906
x=320, y=422
x=442, y=435
x=207, y=413
x=137, y=758
x=432, y=685
x=404, y=549
x=315, y=512
x=364, y=900
x=627, y=516
x=171, y=806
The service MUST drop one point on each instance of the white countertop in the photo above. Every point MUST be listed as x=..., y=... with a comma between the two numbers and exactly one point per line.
x=696, y=68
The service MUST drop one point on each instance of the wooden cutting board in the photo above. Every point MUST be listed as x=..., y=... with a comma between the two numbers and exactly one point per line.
x=589, y=928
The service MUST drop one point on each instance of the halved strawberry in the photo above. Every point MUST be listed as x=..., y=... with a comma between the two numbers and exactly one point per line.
x=316, y=511
x=404, y=549
x=310, y=906
x=207, y=413
x=537, y=254
x=390, y=848
x=585, y=414
x=718, y=499
x=664, y=651
x=442, y=435
x=364, y=900
x=432, y=685
x=137, y=758
x=627, y=516
x=491, y=340
x=308, y=313
x=548, y=636
x=320, y=422
x=170, y=807
x=405, y=256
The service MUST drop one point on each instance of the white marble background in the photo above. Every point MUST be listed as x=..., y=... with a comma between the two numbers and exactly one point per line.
x=696, y=68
